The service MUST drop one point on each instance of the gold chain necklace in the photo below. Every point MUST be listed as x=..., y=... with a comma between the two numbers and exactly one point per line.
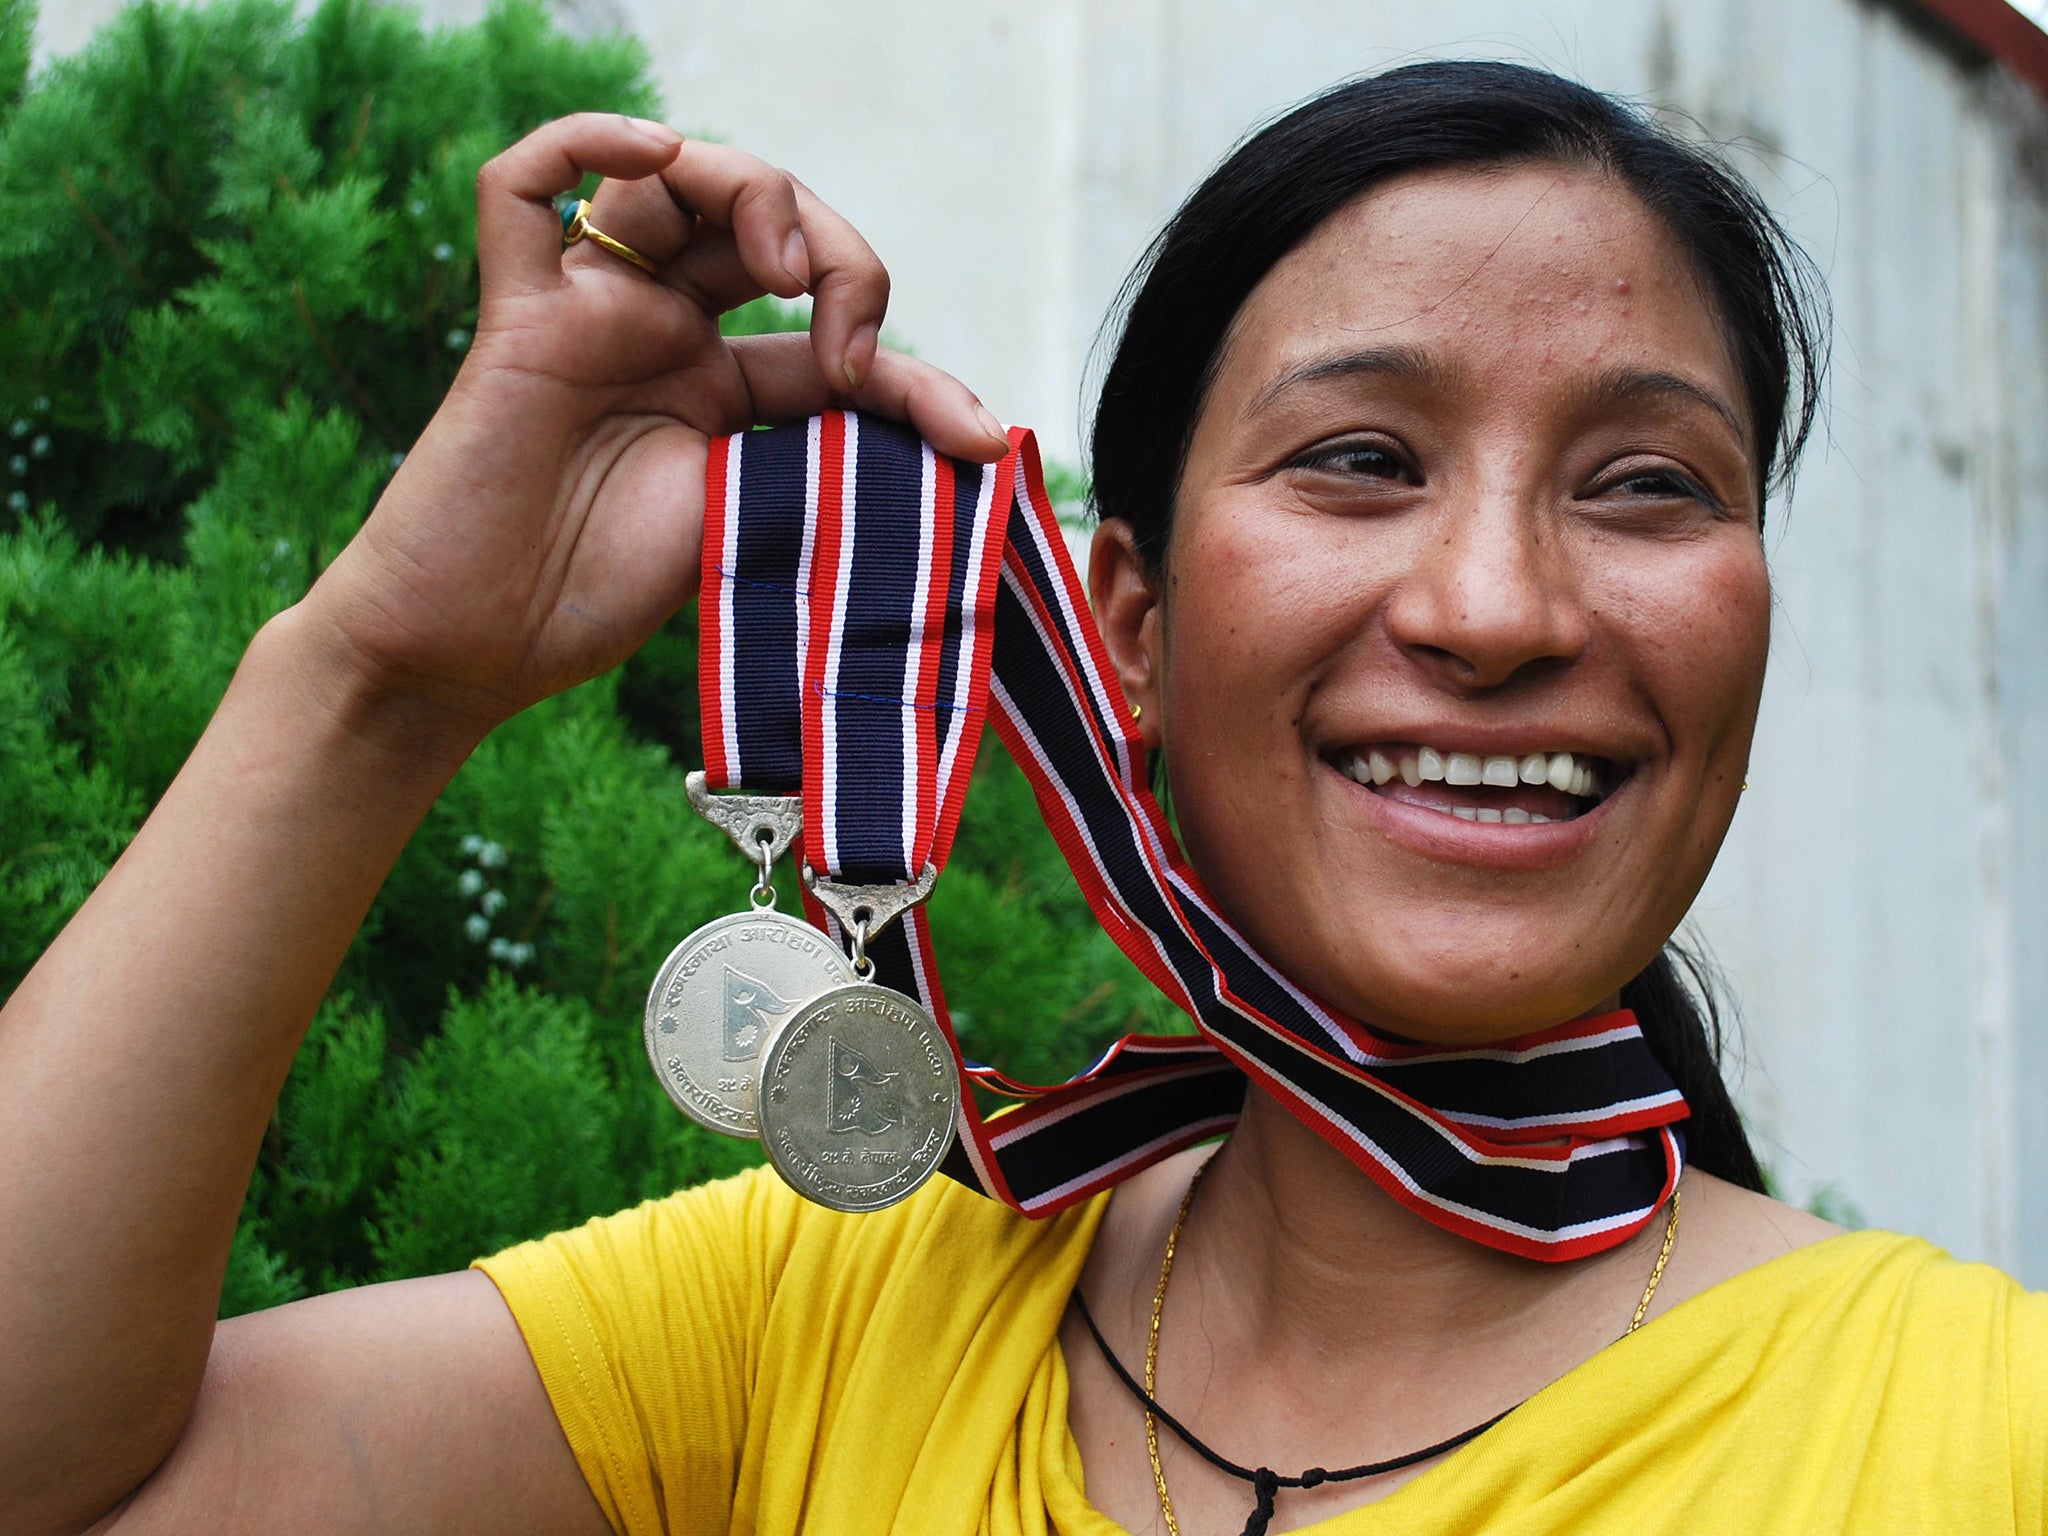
x=1159, y=1306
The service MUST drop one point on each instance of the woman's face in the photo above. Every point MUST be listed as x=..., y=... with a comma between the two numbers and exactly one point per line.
x=1473, y=488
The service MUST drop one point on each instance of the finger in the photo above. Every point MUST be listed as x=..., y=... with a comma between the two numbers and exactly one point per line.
x=786, y=383
x=789, y=242
x=755, y=201
x=518, y=233
x=851, y=289
x=642, y=214
x=712, y=273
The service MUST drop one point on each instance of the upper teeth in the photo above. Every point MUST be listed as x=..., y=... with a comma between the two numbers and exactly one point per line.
x=1417, y=765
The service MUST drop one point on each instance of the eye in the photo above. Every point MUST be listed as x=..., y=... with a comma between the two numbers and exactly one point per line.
x=1661, y=484
x=1368, y=460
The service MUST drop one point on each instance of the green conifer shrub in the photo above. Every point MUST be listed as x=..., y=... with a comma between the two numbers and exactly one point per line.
x=238, y=253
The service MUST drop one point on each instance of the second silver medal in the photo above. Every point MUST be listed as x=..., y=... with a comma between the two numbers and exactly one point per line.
x=728, y=985
x=859, y=1092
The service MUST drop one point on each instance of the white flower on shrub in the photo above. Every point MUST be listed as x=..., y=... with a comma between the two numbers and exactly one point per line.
x=474, y=885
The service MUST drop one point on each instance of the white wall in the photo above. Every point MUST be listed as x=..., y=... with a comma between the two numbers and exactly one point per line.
x=1875, y=899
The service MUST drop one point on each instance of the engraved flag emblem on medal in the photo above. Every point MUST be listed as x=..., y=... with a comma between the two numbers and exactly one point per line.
x=859, y=1096
x=751, y=1006
x=708, y=1018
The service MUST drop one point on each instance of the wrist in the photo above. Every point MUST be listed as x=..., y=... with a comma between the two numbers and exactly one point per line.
x=404, y=739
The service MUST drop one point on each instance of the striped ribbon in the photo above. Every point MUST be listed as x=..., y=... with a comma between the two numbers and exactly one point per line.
x=866, y=604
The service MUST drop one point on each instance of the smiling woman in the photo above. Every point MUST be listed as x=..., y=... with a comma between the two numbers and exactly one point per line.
x=1468, y=548
x=1432, y=467
x=1483, y=381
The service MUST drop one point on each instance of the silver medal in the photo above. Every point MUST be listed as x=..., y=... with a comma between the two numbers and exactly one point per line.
x=859, y=1097
x=859, y=1092
x=716, y=998
x=722, y=989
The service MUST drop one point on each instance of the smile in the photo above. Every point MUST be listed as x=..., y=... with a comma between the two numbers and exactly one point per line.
x=1532, y=789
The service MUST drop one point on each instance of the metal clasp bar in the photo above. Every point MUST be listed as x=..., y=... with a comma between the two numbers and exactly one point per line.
x=865, y=910
x=762, y=825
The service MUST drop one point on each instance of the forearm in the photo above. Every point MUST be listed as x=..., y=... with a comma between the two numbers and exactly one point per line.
x=141, y=1059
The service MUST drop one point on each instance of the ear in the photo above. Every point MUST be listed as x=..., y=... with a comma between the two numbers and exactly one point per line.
x=1125, y=597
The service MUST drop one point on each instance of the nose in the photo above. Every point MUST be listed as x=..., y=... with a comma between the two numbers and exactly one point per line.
x=1491, y=594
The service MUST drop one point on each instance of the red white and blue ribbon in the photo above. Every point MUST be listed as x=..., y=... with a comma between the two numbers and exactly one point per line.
x=866, y=605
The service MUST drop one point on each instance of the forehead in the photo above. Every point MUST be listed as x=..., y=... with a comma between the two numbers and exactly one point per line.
x=1532, y=271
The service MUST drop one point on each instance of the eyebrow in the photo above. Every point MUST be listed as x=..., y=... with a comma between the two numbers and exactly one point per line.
x=1623, y=384
x=1410, y=364
x=1414, y=365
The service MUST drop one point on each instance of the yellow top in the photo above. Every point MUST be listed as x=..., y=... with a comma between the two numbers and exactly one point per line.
x=734, y=1359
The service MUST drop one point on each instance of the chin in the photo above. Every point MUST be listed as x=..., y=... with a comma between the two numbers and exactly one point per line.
x=1439, y=1015
x=1432, y=929
x=1460, y=980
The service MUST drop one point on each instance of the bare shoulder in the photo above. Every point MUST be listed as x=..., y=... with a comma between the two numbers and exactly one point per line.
x=1125, y=1254
x=1725, y=1230
x=408, y=1406
x=1756, y=1225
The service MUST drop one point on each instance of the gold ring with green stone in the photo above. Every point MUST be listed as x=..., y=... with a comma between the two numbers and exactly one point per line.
x=576, y=226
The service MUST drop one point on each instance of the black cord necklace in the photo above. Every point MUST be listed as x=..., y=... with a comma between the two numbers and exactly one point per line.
x=1266, y=1483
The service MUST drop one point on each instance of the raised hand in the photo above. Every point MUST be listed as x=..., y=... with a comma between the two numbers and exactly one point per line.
x=549, y=518
x=547, y=521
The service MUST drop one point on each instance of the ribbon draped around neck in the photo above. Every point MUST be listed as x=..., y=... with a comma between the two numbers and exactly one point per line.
x=867, y=604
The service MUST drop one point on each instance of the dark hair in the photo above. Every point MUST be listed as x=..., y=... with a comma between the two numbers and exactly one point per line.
x=1283, y=181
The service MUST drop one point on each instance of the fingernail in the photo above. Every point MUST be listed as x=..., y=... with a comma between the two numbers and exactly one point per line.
x=661, y=133
x=860, y=352
x=796, y=257
x=990, y=425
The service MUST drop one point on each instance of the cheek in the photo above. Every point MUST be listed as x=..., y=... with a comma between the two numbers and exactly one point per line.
x=1254, y=611
x=1691, y=628
x=1702, y=632
x=1254, y=595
